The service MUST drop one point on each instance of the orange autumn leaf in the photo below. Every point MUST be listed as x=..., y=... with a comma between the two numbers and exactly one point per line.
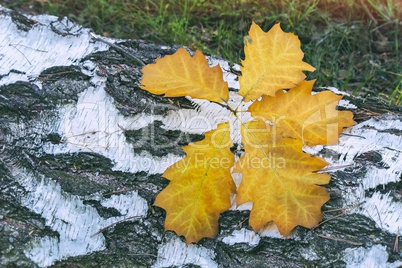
x=181, y=75
x=200, y=186
x=280, y=179
x=297, y=113
x=273, y=61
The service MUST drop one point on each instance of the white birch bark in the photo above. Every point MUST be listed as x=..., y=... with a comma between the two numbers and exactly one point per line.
x=56, y=219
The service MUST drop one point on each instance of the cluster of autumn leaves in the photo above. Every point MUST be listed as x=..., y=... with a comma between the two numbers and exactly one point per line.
x=278, y=177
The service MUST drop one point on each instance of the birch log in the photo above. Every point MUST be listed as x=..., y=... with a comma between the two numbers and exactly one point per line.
x=82, y=150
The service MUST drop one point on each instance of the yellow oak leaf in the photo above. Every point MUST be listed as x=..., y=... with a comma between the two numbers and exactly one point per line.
x=200, y=186
x=273, y=61
x=280, y=179
x=180, y=75
x=297, y=113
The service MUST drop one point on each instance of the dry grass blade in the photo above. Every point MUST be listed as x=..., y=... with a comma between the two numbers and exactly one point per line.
x=345, y=208
x=110, y=225
x=338, y=215
x=341, y=240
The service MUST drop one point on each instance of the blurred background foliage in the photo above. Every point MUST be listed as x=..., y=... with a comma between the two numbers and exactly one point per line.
x=356, y=45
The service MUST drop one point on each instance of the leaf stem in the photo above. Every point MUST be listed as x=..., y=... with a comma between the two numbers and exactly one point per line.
x=226, y=105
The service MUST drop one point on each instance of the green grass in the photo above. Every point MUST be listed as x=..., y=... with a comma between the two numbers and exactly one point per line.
x=355, y=45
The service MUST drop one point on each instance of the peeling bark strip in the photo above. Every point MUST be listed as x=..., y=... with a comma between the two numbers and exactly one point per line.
x=82, y=149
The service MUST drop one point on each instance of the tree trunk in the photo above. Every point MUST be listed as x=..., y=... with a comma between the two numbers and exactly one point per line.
x=82, y=150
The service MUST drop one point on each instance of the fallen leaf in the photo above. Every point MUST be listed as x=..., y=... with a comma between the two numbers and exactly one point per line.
x=298, y=114
x=181, y=75
x=273, y=61
x=280, y=179
x=200, y=186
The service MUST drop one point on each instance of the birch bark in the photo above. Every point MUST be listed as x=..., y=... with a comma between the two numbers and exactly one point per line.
x=82, y=149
